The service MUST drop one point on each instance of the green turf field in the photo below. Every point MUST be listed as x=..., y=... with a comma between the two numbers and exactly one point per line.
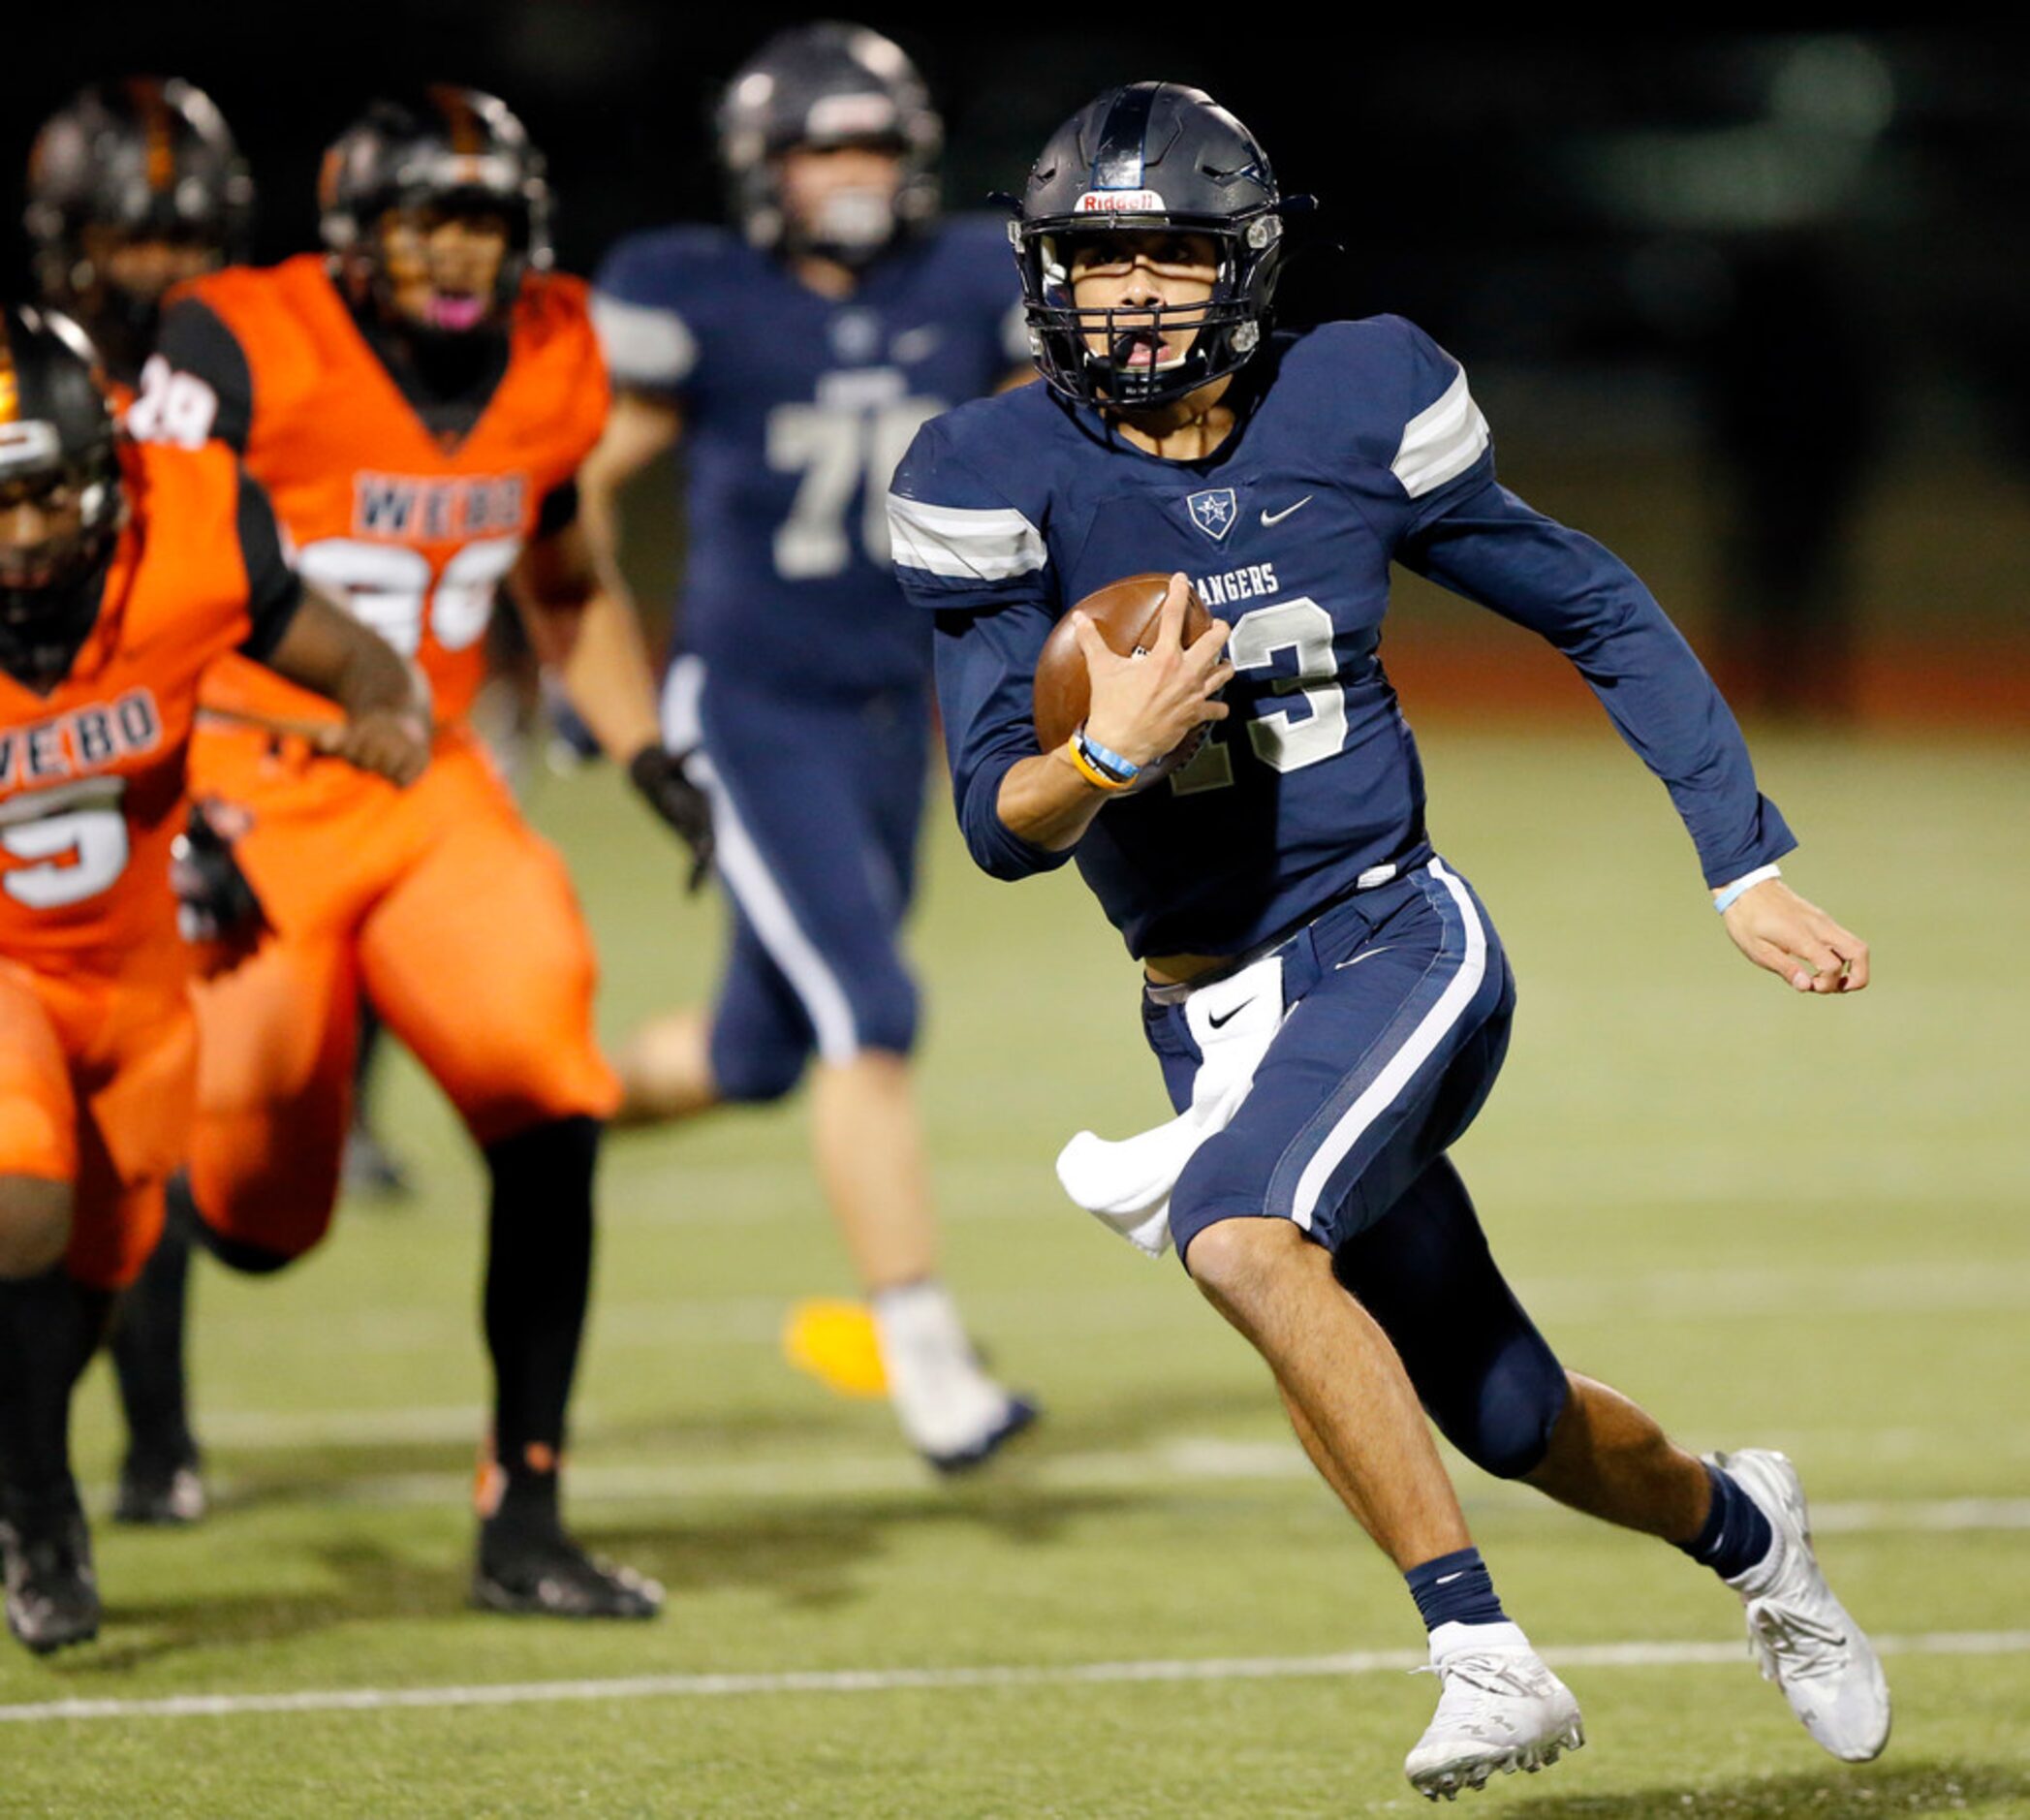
x=1777, y=1221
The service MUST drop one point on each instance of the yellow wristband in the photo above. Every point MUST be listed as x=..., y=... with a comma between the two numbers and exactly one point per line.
x=1091, y=772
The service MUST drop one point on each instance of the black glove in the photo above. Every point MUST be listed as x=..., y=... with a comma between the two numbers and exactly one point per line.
x=215, y=901
x=660, y=777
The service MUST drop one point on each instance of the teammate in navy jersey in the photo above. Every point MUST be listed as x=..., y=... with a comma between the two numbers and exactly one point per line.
x=796, y=358
x=1327, y=997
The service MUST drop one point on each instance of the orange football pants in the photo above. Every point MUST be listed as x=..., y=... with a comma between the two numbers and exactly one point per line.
x=97, y=1079
x=457, y=920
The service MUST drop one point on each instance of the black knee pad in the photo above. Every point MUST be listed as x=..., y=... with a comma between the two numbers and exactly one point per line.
x=1484, y=1374
x=1503, y=1422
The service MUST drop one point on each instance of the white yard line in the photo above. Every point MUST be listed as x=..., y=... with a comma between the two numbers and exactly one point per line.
x=1679, y=1654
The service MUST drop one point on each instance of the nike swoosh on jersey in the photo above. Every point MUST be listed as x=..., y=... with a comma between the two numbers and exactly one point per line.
x=1366, y=953
x=1219, y=1024
x=1269, y=518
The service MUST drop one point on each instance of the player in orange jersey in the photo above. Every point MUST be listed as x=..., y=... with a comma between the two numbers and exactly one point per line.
x=417, y=405
x=124, y=572
x=133, y=186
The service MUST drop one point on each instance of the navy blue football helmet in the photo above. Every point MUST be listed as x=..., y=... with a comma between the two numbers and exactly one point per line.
x=819, y=87
x=1142, y=156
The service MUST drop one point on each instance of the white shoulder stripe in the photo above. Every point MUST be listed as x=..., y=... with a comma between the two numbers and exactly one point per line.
x=643, y=346
x=1441, y=442
x=964, y=544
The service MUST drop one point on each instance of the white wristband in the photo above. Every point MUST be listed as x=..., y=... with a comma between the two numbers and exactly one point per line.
x=1724, y=898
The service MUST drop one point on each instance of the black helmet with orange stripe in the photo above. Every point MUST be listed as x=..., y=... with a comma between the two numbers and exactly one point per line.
x=455, y=151
x=131, y=187
x=61, y=499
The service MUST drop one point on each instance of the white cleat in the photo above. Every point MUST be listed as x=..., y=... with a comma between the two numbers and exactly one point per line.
x=950, y=1411
x=1501, y=1709
x=1800, y=1634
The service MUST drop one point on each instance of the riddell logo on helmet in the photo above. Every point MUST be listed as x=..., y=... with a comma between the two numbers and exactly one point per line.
x=1119, y=202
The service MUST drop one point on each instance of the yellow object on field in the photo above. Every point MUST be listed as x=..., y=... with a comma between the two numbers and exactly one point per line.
x=834, y=1343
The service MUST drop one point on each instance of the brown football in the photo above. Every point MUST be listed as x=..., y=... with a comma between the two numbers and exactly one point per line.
x=1125, y=612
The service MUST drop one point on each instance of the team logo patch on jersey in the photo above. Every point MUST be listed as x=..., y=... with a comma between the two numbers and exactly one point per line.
x=855, y=335
x=1212, y=512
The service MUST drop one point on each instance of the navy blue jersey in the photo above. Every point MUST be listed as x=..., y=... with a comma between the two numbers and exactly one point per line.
x=797, y=408
x=1359, y=445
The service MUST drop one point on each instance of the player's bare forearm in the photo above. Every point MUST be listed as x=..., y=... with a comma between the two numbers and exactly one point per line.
x=639, y=427
x=1794, y=939
x=1047, y=803
x=584, y=631
x=387, y=703
x=583, y=628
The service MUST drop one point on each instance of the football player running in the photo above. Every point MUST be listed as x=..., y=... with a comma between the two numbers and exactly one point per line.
x=124, y=573
x=1327, y=997
x=794, y=361
x=418, y=405
x=133, y=187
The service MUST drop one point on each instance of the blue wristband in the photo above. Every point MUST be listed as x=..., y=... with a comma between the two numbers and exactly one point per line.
x=1747, y=882
x=1121, y=770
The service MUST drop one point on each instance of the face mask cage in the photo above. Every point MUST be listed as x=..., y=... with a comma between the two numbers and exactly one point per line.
x=48, y=589
x=853, y=226
x=434, y=177
x=123, y=322
x=1229, y=324
x=207, y=205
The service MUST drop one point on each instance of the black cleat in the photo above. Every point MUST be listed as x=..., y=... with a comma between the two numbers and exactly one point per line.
x=52, y=1594
x=536, y=1568
x=168, y=1494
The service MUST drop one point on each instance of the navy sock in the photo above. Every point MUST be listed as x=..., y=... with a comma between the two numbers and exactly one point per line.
x=1456, y=1588
x=1736, y=1534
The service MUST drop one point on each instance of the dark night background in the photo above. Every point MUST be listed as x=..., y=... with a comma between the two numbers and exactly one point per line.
x=1750, y=305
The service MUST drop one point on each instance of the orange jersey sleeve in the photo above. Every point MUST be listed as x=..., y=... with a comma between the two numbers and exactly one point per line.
x=417, y=533
x=92, y=775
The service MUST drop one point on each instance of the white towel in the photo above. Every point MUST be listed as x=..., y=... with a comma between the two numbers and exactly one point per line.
x=1127, y=1184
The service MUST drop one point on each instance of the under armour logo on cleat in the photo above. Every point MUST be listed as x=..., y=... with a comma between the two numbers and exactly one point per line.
x=1269, y=518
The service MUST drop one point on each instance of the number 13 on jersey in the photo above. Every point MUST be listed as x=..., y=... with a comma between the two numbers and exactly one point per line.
x=1283, y=741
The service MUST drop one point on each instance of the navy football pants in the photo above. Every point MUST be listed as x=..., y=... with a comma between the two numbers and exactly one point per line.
x=816, y=804
x=1398, y=1002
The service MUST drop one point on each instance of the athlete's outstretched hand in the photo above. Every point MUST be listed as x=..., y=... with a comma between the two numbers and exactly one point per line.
x=1144, y=706
x=1780, y=931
